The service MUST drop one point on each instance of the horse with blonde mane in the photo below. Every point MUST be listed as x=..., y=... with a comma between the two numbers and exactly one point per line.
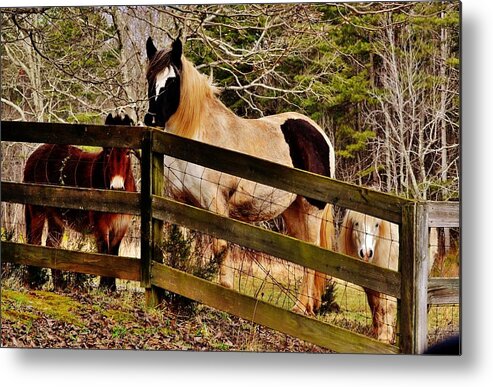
x=184, y=102
x=375, y=241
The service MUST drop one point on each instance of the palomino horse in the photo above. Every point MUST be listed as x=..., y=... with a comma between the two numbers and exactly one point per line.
x=70, y=166
x=375, y=241
x=184, y=102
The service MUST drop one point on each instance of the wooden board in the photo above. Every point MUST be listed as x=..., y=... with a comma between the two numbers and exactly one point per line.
x=76, y=261
x=443, y=291
x=146, y=212
x=443, y=214
x=73, y=134
x=70, y=197
x=406, y=305
x=421, y=270
x=216, y=296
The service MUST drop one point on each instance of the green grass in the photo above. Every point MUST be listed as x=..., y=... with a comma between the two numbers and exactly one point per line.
x=56, y=306
x=354, y=311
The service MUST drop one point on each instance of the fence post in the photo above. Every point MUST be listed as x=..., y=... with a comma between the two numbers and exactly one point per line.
x=152, y=183
x=407, y=232
x=414, y=263
x=422, y=262
x=157, y=178
x=146, y=212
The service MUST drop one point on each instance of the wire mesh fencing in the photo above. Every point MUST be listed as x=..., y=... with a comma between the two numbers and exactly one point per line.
x=255, y=273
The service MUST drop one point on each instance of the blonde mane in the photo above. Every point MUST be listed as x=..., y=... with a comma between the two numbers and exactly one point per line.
x=196, y=93
x=327, y=231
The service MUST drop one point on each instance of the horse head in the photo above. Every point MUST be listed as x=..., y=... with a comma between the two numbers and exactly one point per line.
x=117, y=165
x=362, y=233
x=163, y=82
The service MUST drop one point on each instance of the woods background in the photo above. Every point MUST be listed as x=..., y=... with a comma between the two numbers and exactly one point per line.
x=382, y=79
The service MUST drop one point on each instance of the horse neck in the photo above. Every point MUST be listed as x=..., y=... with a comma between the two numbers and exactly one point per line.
x=98, y=177
x=130, y=181
x=387, y=247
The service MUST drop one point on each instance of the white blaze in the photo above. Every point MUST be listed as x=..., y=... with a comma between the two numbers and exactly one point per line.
x=162, y=77
x=369, y=241
x=365, y=239
x=117, y=182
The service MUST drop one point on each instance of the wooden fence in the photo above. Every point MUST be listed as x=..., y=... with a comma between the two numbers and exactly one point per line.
x=409, y=284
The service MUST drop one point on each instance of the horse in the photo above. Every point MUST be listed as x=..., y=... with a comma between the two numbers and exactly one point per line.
x=70, y=166
x=184, y=102
x=374, y=241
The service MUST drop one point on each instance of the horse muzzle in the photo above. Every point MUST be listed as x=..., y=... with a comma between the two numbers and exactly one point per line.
x=150, y=119
x=366, y=255
x=117, y=182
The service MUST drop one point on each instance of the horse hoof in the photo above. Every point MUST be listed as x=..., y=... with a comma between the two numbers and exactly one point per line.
x=301, y=309
x=226, y=283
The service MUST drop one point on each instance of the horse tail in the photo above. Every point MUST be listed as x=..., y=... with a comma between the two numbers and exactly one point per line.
x=327, y=228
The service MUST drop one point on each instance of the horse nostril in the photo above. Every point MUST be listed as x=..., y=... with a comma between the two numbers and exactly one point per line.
x=370, y=253
x=361, y=253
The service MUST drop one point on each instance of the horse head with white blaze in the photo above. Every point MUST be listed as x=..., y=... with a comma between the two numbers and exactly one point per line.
x=184, y=102
x=375, y=241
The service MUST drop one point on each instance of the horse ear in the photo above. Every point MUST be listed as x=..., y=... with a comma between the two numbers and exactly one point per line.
x=109, y=119
x=127, y=120
x=150, y=48
x=176, y=51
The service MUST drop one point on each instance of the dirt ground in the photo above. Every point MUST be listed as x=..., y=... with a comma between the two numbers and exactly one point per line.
x=96, y=320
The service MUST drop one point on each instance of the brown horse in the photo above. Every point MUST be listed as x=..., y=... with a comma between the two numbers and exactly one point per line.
x=375, y=241
x=70, y=166
x=184, y=102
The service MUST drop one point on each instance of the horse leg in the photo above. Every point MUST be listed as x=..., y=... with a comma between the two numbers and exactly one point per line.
x=35, y=219
x=110, y=282
x=222, y=254
x=55, y=233
x=383, y=311
x=221, y=248
x=302, y=222
x=103, y=245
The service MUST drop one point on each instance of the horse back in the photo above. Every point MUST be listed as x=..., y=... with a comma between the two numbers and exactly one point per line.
x=64, y=165
x=44, y=165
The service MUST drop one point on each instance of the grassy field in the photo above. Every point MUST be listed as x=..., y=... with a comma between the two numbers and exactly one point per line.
x=278, y=283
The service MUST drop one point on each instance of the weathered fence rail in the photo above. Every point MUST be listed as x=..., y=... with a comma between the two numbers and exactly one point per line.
x=76, y=261
x=409, y=285
x=378, y=204
x=73, y=198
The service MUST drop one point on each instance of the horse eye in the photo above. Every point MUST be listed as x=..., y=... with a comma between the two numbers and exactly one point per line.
x=376, y=225
x=356, y=224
